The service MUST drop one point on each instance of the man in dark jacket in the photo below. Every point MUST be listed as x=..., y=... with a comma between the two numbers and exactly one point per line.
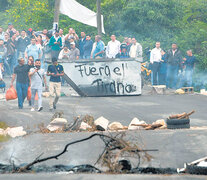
x=22, y=43
x=174, y=60
x=87, y=48
x=82, y=42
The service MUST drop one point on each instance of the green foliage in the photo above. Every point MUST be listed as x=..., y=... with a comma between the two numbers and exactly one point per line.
x=30, y=13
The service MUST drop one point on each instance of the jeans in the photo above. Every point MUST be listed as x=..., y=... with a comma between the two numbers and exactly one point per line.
x=7, y=68
x=21, y=93
x=12, y=62
x=39, y=93
x=156, y=72
x=187, y=79
x=172, y=76
x=162, y=79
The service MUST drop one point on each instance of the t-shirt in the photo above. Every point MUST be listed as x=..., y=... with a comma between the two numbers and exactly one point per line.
x=37, y=79
x=73, y=53
x=33, y=50
x=22, y=73
x=54, y=69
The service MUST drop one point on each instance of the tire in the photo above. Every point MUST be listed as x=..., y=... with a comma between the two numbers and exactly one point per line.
x=178, y=121
x=182, y=126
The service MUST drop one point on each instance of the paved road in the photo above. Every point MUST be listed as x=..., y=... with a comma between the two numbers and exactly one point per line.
x=95, y=177
x=175, y=146
x=123, y=109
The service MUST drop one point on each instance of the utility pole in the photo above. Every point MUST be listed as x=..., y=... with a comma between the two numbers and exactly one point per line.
x=56, y=15
x=99, y=22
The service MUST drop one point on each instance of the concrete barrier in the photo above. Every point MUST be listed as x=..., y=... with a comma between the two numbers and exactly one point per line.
x=104, y=77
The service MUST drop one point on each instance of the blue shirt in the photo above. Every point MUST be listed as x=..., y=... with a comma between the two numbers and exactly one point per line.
x=190, y=61
x=33, y=50
x=99, y=48
x=87, y=48
x=54, y=69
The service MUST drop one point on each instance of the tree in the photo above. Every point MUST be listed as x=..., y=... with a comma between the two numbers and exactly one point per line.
x=30, y=13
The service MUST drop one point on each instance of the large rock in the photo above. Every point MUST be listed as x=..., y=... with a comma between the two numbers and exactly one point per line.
x=57, y=124
x=84, y=126
x=15, y=132
x=115, y=126
x=101, y=123
x=136, y=122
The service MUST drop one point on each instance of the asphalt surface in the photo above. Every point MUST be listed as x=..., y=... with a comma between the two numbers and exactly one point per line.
x=176, y=147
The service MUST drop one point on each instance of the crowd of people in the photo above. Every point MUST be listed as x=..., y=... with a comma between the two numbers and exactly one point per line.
x=25, y=55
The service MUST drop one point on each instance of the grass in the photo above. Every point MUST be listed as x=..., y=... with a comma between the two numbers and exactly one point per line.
x=3, y=138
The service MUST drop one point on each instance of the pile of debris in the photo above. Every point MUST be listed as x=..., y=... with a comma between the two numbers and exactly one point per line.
x=87, y=123
x=196, y=167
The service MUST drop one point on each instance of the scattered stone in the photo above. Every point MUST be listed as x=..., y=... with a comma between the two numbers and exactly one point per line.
x=179, y=91
x=84, y=126
x=115, y=126
x=59, y=121
x=136, y=122
x=161, y=89
x=101, y=123
x=57, y=124
x=162, y=122
x=203, y=92
x=15, y=132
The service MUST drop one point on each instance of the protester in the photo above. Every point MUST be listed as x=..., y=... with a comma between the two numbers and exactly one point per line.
x=135, y=49
x=189, y=63
x=55, y=71
x=113, y=47
x=82, y=42
x=74, y=52
x=124, y=53
x=163, y=69
x=174, y=59
x=33, y=50
x=37, y=76
x=64, y=53
x=22, y=44
x=44, y=34
x=11, y=29
x=21, y=76
x=11, y=51
x=99, y=49
x=55, y=44
x=87, y=48
x=155, y=59
x=62, y=37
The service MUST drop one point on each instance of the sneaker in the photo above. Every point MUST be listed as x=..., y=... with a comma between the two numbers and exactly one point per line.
x=54, y=106
x=40, y=109
x=33, y=109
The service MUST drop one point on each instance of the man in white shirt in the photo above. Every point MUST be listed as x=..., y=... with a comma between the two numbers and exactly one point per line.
x=37, y=76
x=136, y=49
x=155, y=59
x=113, y=47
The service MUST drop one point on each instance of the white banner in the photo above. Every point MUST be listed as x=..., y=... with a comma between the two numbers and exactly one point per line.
x=78, y=12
